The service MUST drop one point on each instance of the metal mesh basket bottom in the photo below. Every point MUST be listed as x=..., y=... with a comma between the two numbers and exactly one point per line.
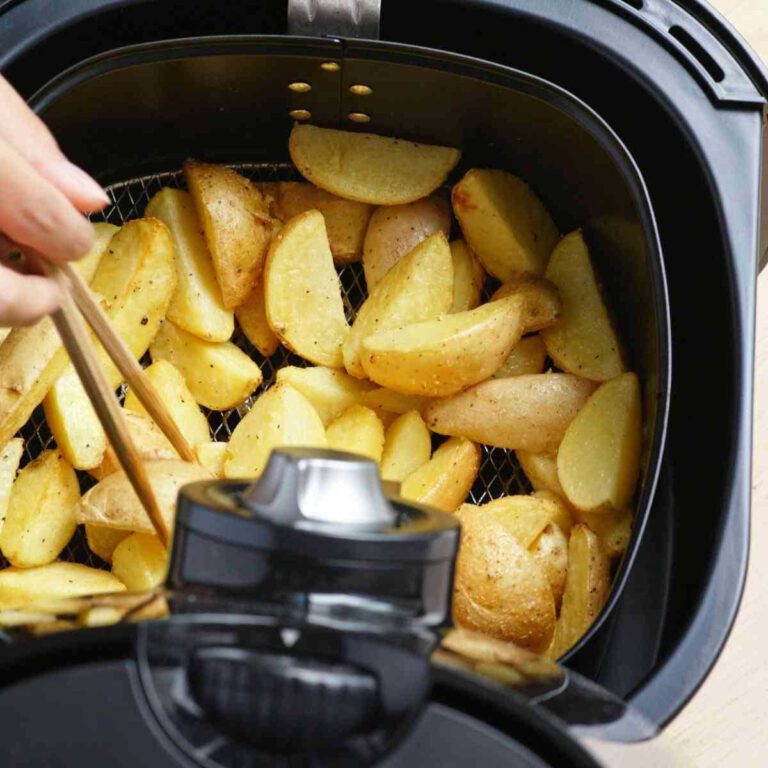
x=499, y=475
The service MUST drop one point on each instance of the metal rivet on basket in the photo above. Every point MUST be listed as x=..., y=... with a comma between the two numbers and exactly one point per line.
x=359, y=117
x=300, y=114
x=299, y=87
x=330, y=66
x=360, y=90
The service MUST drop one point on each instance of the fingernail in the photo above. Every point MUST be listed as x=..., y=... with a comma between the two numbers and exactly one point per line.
x=79, y=181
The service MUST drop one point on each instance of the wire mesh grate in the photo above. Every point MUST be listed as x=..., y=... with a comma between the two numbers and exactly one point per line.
x=499, y=474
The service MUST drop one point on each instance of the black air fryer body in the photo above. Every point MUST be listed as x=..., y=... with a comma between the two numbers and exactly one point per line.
x=684, y=96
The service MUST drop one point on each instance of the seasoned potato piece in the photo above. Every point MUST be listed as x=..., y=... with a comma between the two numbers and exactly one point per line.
x=112, y=503
x=550, y=550
x=446, y=479
x=599, y=458
x=140, y=561
x=4, y=333
x=178, y=400
x=523, y=412
x=542, y=303
x=303, y=293
x=102, y=541
x=614, y=529
x=468, y=277
x=282, y=416
x=218, y=374
x=357, y=430
x=419, y=287
x=10, y=456
x=330, y=391
x=541, y=470
x=236, y=223
x=446, y=355
x=529, y=355
x=388, y=401
x=197, y=305
x=212, y=456
x=252, y=317
x=562, y=511
x=583, y=341
x=20, y=587
x=504, y=223
x=500, y=589
x=525, y=517
x=395, y=230
x=407, y=446
x=369, y=168
x=345, y=220
x=40, y=520
x=586, y=589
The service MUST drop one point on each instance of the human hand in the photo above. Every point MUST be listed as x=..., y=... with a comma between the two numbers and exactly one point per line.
x=42, y=197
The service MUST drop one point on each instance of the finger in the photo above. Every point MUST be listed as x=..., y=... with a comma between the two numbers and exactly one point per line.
x=23, y=130
x=24, y=299
x=34, y=213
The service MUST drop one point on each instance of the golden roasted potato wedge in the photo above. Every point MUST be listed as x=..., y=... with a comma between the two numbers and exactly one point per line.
x=525, y=517
x=329, y=390
x=102, y=541
x=500, y=589
x=562, y=512
x=282, y=416
x=20, y=587
x=4, y=333
x=112, y=503
x=10, y=457
x=358, y=430
x=41, y=511
x=140, y=561
x=419, y=287
x=504, y=223
x=529, y=355
x=302, y=292
x=586, y=589
x=614, y=529
x=212, y=456
x=252, y=317
x=236, y=223
x=583, y=341
x=346, y=221
x=369, y=168
x=218, y=374
x=550, y=550
x=599, y=458
x=197, y=305
x=542, y=302
x=523, y=412
x=395, y=230
x=407, y=446
x=446, y=479
x=386, y=400
x=178, y=400
x=443, y=356
x=541, y=470
x=468, y=277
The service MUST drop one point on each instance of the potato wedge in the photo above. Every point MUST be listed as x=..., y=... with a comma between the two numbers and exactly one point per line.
x=369, y=168
x=282, y=416
x=523, y=412
x=237, y=226
x=407, y=446
x=302, y=292
x=550, y=550
x=504, y=223
x=102, y=541
x=395, y=230
x=41, y=511
x=500, y=589
x=10, y=457
x=197, y=306
x=358, y=430
x=599, y=458
x=112, y=503
x=419, y=287
x=212, y=456
x=386, y=400
x=586, y=589
x=468, y=277
x=330, y=391
x=525, y=517
x=346, y=221
x=4, y=333
x=614, y=529
x=218, y=374
x=562, y=512
x=443, y=356
x=542, y=302
x=446, y=479
x=583, y=341
x=20, y=587
x=252, y=317
x=140, y=561
x=529, y=355
x=541, y=470
x=178, y=400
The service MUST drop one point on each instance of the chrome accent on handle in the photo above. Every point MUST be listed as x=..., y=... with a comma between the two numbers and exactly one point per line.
x=334, y=18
